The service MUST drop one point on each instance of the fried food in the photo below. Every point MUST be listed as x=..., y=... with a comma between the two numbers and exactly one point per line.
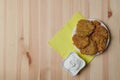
x=91, y=37
x=100, y=41
x=100, y=36
x=90, y=49
x=100, y=30
x=84, y=28
x=80, y=42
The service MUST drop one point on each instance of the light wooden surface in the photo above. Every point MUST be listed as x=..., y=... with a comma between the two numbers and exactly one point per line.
x=27, y=25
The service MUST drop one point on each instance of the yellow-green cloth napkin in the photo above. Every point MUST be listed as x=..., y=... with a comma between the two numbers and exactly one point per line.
x=62, y=41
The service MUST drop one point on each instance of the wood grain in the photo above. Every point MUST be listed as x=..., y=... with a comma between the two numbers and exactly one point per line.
x=26, y=26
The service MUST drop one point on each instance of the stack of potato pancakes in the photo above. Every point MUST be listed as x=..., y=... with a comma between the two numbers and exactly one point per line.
x=90, y=37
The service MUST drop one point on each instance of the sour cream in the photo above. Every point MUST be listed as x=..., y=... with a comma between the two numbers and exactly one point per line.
x=73, y=63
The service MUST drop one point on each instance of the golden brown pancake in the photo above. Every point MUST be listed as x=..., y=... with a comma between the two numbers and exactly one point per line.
x=100, y=30
x=100, y=41
x=100, y=36
x=84, y=28
x=80, y=42
x=90, y=49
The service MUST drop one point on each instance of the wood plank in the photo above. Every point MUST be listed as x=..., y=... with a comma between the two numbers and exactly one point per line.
x=23, y=42
x=10, y=40
x=113, y=51
x=2, y=25
x=33, y=54
x=26, y=26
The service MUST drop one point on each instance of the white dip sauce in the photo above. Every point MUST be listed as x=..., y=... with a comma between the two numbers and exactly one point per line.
x=73, y=63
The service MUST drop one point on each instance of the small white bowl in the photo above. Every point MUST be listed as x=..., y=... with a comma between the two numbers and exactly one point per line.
x=73, y=64
x=108, y=41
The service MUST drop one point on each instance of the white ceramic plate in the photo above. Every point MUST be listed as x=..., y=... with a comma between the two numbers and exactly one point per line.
x=108, y=41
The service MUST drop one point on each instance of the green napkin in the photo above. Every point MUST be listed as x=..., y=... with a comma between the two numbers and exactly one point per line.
x=62, y=41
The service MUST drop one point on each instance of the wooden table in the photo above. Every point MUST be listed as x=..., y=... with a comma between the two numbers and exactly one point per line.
x=27, y=25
